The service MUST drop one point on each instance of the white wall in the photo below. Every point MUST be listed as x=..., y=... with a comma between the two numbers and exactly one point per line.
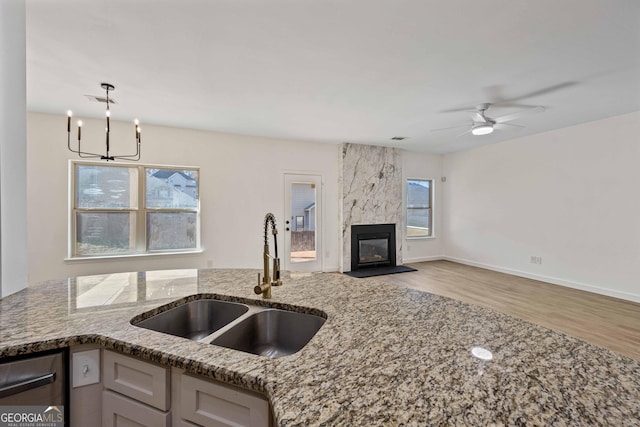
x=424, y=166
x=13, y=141
x=241, y=180
x=570, y=196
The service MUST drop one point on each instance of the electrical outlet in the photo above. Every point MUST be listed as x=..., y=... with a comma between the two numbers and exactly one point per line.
x=536, y=259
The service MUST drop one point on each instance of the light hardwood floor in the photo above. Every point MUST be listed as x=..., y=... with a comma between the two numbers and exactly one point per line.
x=601, y=320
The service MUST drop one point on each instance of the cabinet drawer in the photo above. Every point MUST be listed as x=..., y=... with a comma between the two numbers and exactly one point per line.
x=142, y=381
x=212, y=404
x=119, y=411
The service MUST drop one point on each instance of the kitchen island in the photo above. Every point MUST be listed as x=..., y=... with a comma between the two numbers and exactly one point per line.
x=386, y=355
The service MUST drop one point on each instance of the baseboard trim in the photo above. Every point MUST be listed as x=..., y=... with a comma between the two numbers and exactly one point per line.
x=569, y=284
x=423, y=259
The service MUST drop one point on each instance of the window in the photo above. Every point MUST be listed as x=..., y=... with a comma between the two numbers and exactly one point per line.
x=133, y=209
x=419, y=208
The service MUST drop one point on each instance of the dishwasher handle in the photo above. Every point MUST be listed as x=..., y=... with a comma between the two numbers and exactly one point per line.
x=28, y=384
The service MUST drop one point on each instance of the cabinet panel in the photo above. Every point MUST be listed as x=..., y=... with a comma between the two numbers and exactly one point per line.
x=139, y=380
x=119, y=411
x=215, y=405
x=85, y=405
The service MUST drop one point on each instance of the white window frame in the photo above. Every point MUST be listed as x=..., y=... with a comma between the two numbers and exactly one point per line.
x=431, y=208
x=141, y=211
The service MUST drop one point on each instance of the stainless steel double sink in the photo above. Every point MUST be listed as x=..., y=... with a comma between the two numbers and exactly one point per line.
x=265, y=331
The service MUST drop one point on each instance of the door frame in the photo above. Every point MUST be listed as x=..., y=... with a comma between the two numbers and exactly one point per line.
x=288, y=178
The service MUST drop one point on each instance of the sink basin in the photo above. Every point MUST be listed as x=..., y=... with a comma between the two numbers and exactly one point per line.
x=195, y=319
x=271, y=333
x=264, y=331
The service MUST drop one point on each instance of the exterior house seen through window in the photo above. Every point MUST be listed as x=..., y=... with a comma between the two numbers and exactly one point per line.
x=419, y=208
x=133, y=209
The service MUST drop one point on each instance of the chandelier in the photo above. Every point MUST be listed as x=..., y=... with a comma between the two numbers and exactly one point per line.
x=107, y=156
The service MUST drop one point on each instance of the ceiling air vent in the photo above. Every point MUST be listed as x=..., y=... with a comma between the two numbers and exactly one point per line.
x=103, y=99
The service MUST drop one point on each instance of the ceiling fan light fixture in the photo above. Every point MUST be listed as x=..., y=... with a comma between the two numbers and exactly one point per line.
x=482, y=129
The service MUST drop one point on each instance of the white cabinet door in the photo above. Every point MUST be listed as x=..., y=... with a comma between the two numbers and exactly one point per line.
x=214, y=405
x=120, y=411
x=142, y=381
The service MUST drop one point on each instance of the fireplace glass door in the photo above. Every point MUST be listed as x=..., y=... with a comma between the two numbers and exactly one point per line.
x=373, y=251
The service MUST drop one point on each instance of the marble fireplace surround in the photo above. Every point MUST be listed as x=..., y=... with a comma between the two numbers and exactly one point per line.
x=371, y=186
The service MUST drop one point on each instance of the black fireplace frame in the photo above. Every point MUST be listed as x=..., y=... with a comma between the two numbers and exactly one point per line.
x=373, y=231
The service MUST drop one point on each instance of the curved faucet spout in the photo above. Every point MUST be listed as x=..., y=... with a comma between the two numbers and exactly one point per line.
x=264, y=287
x=271, y=219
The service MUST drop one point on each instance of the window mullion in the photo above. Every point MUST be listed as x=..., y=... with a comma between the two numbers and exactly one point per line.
x=72, y=235
x=73, y=232
x=141, y=216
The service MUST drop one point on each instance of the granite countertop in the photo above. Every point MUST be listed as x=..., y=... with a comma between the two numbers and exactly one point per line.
x=385, y=356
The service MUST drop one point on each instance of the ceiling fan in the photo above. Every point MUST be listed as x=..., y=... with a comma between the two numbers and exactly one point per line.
x=483, y=125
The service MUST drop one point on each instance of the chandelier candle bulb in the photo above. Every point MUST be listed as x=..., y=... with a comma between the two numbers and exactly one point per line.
x=79, y=128
x=69, y=115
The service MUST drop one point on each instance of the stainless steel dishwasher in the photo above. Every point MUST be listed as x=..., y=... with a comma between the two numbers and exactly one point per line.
x=38, y=379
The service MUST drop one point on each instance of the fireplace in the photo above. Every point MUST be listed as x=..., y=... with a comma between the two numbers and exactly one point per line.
x=373, y=245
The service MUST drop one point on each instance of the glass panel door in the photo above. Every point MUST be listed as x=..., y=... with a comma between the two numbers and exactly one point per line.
x=302, y=223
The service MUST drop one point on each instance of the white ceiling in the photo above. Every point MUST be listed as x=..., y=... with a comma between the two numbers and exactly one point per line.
x=335, y=71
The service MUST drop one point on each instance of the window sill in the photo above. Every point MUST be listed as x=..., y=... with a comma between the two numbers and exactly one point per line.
x=420, y=238
x=130, y=256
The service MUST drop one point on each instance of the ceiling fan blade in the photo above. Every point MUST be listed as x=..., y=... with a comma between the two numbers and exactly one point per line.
x=509, y=117
x=543, y=91
x=496, y=96
x=501, y=126
x=457, y=110
x=509, y=104
x=451, y=127
x=464, y=133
